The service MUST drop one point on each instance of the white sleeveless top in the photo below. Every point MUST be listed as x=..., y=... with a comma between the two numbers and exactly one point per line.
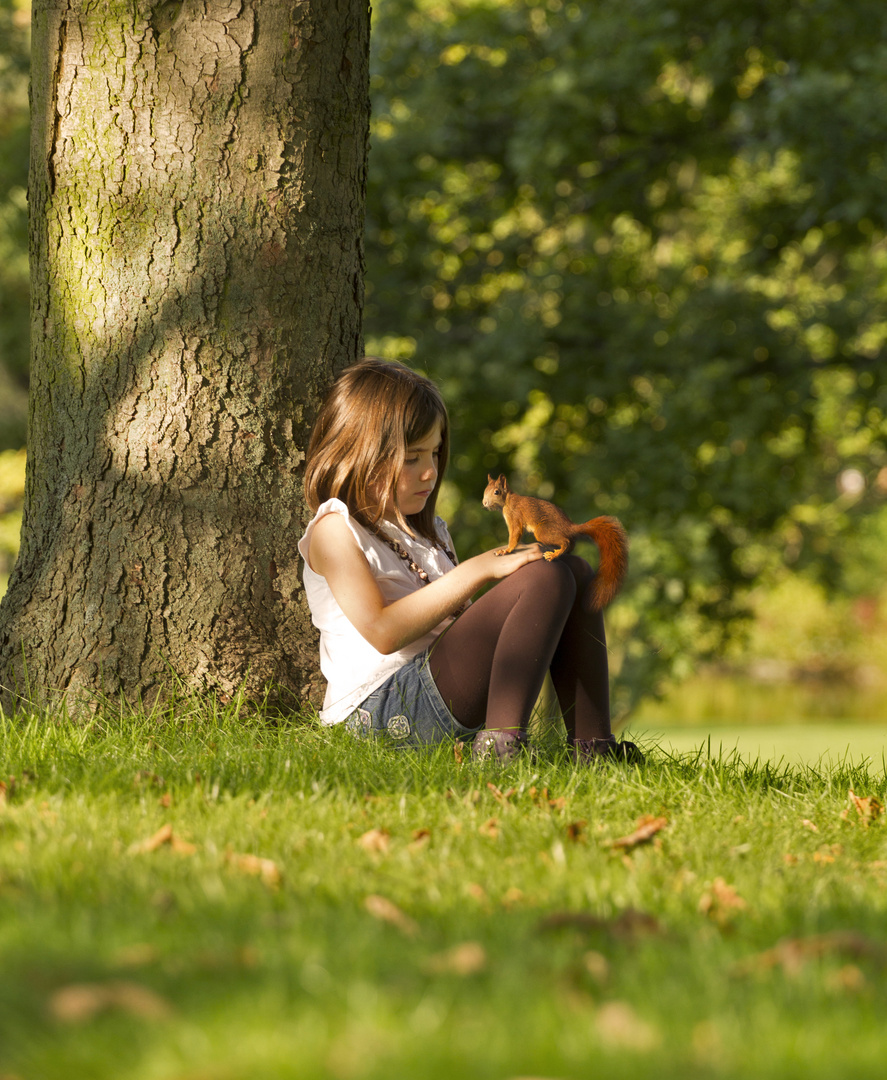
x=351, y=666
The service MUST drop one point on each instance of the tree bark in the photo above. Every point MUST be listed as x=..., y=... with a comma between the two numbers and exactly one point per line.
x=197, y=198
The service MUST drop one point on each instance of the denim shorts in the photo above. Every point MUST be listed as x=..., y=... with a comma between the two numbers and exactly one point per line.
x=408, y=709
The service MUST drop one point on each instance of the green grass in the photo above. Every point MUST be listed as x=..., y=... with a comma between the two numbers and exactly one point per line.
x=510, y=938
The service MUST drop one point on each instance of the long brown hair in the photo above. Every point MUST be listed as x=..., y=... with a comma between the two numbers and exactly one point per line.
x=375, y=410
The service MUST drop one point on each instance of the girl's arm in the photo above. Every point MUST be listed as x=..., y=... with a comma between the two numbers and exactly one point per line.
x=336, y=556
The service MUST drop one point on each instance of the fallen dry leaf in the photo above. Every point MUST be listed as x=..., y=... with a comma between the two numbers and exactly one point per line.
x=791, y=954
x=378, y=840
x=808, y=824
x=163, y=836
x=868, y=808
x=576, y=829
x=459, y=752
x=721, y=901
x=542, y=798
x=80, y=1002
x=157, y=840
x=827, y=853
x=420, y=839
x=381, y=908
x=632, y=923
x=502, y=796
x=182, y=847
x=266, y=869
x=490, y=828
x=647, y=827
x=468, y=958
x=619, y=1027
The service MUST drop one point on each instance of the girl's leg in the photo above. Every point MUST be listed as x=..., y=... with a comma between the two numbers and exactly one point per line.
x=490, y=664
x=579, y=667
x=579, y=671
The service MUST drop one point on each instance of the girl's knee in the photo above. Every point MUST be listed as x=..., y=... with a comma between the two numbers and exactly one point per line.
x=583, y=576
x=580, y=569
x=553, y=578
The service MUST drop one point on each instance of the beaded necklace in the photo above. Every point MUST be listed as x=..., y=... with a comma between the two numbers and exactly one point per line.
x=402, y=553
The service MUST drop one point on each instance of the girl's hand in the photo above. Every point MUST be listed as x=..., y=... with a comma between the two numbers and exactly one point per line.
x=494, y=566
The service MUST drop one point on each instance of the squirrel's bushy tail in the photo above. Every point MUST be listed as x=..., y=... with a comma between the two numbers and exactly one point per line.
x=612, y=543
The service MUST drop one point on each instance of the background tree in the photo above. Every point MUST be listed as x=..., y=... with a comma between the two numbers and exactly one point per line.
x=196, y=197
x=643, y=247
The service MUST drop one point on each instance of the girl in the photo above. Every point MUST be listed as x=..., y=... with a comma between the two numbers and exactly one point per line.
x=402, y=647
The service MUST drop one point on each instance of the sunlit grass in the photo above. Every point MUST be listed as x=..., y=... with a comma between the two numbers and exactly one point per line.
x=812, y=744
x=317, y=907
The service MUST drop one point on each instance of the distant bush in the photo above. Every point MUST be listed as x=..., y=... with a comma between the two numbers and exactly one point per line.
x=12, y=494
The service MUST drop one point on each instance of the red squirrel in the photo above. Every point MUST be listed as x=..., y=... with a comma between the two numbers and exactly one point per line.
x=550, y=525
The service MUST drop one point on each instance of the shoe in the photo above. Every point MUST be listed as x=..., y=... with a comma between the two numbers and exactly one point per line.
x=587, y=750
x=629, y=753
x=503, y=746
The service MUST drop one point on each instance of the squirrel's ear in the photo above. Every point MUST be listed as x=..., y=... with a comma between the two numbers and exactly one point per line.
x=489, y=479
x=502, y=481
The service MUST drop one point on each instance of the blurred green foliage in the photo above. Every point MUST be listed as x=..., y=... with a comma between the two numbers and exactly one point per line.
x=14, y=128
x=12, y=494
x=808, y=656
x=641, y=246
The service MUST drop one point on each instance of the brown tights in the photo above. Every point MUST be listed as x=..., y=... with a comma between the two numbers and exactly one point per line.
x=490, y=664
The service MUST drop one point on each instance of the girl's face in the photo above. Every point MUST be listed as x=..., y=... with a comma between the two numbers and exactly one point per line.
x=418, y=475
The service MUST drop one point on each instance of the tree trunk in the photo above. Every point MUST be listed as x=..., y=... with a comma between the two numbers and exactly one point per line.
x=197, y=196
